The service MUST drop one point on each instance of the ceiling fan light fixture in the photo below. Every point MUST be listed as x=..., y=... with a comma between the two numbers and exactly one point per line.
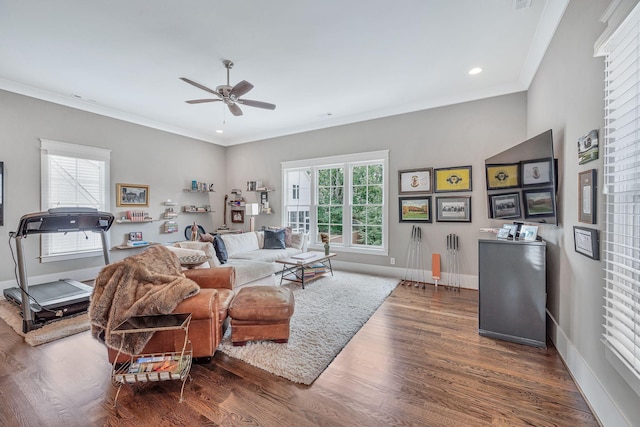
x=474, y=71
x=219, y=131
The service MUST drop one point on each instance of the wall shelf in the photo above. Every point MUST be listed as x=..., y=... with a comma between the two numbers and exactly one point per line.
x=128, y=221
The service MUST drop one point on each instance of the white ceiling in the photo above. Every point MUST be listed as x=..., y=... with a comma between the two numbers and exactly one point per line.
x=323, y=63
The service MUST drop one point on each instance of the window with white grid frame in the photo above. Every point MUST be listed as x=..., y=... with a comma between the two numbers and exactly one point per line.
x=297, y=203
x=621, y=237
x=73, y=176
x=345, y=197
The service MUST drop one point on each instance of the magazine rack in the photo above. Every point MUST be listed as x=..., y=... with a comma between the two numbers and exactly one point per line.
x=174, y=365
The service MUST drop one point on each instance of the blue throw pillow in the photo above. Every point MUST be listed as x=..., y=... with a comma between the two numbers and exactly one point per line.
x=274, y=239
x=221, y=249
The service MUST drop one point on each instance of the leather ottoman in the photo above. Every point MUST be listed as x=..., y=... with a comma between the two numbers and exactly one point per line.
x=261, y=313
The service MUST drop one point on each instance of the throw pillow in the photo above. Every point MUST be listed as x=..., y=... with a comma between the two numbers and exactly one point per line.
x=287, y=235
x=206, y=237
x=274, y=239
x=221, y=250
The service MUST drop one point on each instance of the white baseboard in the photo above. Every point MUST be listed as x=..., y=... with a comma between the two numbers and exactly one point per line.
x=601, y=404
x=466, y=281
x=79, y=275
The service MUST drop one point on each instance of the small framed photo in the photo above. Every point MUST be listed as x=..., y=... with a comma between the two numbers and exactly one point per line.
x=503, y=234
x=505, y=205
x=415, y=209
x=587, y=242
x=237, y=217
x=503, y=176
x=588, y=147
x=536, y=172
x=528, y=233
x=452, y=179
x=539, y=203
x=453, y=209
x=135, y=236
x=134, y=195
x=415, y=181
x=587, y=196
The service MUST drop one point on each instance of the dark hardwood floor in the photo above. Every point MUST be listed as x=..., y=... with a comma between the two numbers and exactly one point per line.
x=419, y=361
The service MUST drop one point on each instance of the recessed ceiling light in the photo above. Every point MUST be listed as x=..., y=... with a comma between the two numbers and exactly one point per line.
x=475, y=70
x=219, y=131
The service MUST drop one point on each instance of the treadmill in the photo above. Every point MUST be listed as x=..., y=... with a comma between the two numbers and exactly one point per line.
x=64, y=297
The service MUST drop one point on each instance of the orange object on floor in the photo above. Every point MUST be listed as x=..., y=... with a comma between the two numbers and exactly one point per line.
x=435, y=267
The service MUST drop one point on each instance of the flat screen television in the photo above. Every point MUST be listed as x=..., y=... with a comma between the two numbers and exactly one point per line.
x=522, y=183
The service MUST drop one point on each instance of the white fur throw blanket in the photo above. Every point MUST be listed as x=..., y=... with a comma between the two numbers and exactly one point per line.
x=148, y=283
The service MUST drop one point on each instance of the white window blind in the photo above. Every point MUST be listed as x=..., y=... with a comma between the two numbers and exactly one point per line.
x=621, y=240
x=73, y=176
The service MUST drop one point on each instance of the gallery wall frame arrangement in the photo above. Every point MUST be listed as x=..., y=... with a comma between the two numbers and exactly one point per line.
x=587, y=196
x=132, y=195
x=536, y=172
x=452, y=179
x=505, y=205
x=415, y=209
x=586, y=242
x=415, y=181
x=502, y=176
x=538, y=203
x=453, y=209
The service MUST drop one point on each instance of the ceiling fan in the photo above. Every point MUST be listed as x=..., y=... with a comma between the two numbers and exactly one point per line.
x=228, y=94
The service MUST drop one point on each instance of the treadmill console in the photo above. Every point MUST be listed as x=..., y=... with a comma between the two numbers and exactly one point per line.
x=62, y=220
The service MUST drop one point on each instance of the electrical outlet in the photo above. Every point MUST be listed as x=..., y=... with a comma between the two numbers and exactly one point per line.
x=392, y=261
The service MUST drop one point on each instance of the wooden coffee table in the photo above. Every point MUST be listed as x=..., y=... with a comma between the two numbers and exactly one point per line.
x=293, y=269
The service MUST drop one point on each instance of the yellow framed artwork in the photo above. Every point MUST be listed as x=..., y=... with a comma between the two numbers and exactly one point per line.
x=503, y=176
x=452, y=179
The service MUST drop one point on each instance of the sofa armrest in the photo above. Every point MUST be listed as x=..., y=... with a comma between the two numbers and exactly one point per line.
x=201, y=306
x=217, y=277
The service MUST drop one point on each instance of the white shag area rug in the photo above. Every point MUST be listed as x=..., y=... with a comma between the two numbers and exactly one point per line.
x=49, y=332
x=328, y=312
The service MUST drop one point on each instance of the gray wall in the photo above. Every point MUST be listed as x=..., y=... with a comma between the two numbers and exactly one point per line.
x=457, y=135
x=567, y=96
x=139, y=155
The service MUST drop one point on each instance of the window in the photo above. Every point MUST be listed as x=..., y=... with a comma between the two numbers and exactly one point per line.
x=343, y=196
x=621, y=238
x=73, y=176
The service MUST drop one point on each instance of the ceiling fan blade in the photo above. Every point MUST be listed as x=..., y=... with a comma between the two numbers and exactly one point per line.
x=258, y=104
x=200, y=101
x=235, y=110
x=241, y=88
x=199, y=86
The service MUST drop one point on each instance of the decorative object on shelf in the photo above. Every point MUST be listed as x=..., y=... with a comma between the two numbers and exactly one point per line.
x=194, y=232
x=415, y=209
x=196, y=209
x=324, y=238
x=137, y=216
x=252, y=209
x=200, y=187
x=588, y=147
x=170, y=227
x=587, y=196
x=586, y=242
x=453, y=209
x=132, y=195
x=188, y=228
x=170, y=202
x=169, y=213
x=528, y=233
x=135, y=235
x=415, y=181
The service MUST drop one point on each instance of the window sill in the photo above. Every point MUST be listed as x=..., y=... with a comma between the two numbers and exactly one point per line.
x=352, y=250
x=66, y=257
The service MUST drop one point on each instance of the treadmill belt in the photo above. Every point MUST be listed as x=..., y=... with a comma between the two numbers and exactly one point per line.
x=54, y=290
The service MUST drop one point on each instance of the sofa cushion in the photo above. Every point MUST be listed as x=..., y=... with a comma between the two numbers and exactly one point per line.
x=243, y=242
x=184, y=252
x=274, y=239
x=207, y=248
x=287, y=234
x=298, y=240
x=267, y=255
x=221, y=249
x=249, y=271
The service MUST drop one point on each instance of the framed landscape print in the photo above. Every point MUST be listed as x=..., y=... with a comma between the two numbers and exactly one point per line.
x=453, y=209
x=539, y=203
x=588, y=147
x=452, y=179
x=505, y=205
x=587, y=196
x=586, y=242
x=503, y=176
x=415, y=209
x=536, y=172
x=134, y=195
x=415, y=181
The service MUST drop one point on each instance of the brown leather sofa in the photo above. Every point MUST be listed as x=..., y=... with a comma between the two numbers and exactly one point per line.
x=209, y=309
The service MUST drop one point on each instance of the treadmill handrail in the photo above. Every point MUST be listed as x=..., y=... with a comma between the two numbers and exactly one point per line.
x=63, y=220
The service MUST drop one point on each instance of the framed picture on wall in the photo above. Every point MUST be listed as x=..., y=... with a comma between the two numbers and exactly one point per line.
x=453, y=209
x=539, y=203
x=134, y=195
x=586, y=242
x=536, y=172
x=453, y=179
x=415, y=209
x=503, y=176
x=237, y=217
x=587, y=196
x=415, y=181
x=505, y=205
